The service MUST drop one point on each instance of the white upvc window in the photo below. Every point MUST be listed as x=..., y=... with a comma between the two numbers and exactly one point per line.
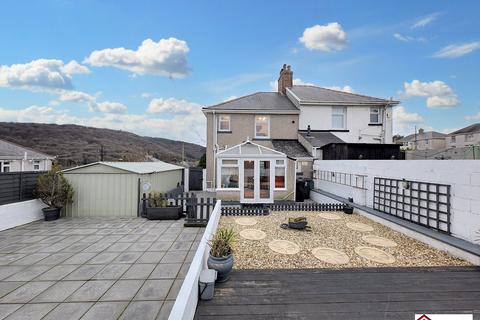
x=280, y=175
x=36, y=165
x=453, y=139
x=229, y=174
x=5, y=166
x=469, y=137
x=224, y=123
x=262, y=127
x=375, y=115
x=339, y=118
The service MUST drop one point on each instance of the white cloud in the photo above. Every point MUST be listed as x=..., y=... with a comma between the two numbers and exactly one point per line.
x=300, y=82
x=111, y=107
x=405, y=38
x=330, y=37
x=172, y=105
x=147, y=94
x=426, y=20
x=438, y=93
x=457, y=50
x=473, y=117
x=41, y=75
x=167, y=57
x=404, y=122
x=91, y=101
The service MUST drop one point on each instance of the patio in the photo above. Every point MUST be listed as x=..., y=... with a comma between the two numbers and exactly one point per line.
x=94, y=268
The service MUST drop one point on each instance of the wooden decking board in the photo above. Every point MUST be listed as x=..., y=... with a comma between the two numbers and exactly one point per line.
x=371, y=293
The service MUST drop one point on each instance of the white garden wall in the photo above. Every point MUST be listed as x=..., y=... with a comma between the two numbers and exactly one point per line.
x=18, y=213
x=462, y=175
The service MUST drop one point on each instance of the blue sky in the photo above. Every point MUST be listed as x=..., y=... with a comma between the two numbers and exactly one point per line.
x=148, y=66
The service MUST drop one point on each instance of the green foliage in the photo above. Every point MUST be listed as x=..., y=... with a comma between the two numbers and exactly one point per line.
x=203, y=161
x=222, y=242
x=54, y=189
x=156, y=200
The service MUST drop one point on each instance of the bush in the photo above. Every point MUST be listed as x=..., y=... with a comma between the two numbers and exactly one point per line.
x=222, y=242
x=156, y=200
x=53, y=188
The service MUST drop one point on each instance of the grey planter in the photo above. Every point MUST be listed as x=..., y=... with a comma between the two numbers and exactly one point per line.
x=222, y=265
x=51, y=214
x=164, y=213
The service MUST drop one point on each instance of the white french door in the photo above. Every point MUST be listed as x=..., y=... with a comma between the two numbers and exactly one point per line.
x=256, y=181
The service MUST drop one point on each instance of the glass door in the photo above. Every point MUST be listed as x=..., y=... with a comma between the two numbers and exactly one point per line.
x=264, y=179
x=257, y=182
x=249, y=181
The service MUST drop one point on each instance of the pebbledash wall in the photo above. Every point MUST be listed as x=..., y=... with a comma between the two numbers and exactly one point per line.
x=462, y=175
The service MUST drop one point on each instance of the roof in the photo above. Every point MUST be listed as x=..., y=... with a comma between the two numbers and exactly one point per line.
x=292, y=148
x=134, y=167
x=425, y=135
x=314, y=94
x=267, y=101
x=470, y=129
x=249, y=149
x=12, y=151
x=319, y=139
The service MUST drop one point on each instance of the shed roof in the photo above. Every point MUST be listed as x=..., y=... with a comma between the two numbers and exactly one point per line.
x=134, y=167
x=12, y=151
x=292, y=148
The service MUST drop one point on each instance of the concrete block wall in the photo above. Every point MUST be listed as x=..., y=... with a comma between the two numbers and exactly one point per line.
x=462, y=175
x=18, y=213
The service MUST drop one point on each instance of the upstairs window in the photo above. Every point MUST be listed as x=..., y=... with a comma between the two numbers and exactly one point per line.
x=5, y=166
x=262, y=127
x=453, y=139
x=224, y=123
x=36, y=165
x=375, y=115
x=339, y=118
x=469, y=137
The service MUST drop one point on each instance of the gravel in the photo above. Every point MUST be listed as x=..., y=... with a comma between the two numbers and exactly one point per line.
x=251, y=254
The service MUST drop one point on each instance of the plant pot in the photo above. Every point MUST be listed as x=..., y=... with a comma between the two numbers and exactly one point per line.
x=51, y=214
x=222, y=265
x=348, y=209
x=164, y=213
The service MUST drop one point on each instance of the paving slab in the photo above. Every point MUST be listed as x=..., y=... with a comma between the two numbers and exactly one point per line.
x=74, y=310
x=145, y=310
x=105, y=311
x=122, y=290
x=154, y=290
x=91, y=291
x=32, y=311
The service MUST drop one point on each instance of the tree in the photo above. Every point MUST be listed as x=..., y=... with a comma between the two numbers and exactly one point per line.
x=53, y=188
x=203, y=161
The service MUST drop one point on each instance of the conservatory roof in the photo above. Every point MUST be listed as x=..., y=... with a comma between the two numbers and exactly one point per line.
x=250, y=149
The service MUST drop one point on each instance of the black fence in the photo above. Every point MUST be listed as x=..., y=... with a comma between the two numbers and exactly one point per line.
x=306, y=206
x=423, y=203
x=18, y=186
x=246, y=211
x=362, y=151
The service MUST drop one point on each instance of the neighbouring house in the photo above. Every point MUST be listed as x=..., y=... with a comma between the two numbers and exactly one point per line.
x=468, y=136
x=424, y=140
x=114, y=189
x=257, y=145
x=15, y=158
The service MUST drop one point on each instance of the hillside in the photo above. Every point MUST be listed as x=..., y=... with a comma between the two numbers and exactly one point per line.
x=75, y=145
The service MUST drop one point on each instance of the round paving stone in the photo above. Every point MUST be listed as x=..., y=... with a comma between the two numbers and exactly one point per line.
x=375, y=255
x=284, y=247
x=245, y=221
x=329, y=216
x=379, y=241
x=253, y=234
x=330, y=255
x=358, y=226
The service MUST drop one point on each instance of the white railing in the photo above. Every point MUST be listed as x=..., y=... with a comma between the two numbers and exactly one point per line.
x=187, y=298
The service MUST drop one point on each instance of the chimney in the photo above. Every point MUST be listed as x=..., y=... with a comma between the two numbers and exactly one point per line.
x=420, y=131
x=285, y=80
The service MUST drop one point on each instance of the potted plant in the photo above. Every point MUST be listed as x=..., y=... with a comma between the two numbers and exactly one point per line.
x=55, y=191
x=348, y=209
x=158, y=208
x=221, y=253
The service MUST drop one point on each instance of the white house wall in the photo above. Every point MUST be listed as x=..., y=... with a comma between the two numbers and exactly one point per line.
x=462, y=175
x=28, y=165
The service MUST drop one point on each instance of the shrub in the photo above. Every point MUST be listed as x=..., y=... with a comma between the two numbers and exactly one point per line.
x=53, y=188
x=222, y=242
x=156, y=200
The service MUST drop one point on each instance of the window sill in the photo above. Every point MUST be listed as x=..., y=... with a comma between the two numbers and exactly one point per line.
x=375, y=124
x=261, y=138
x=224, y=131
x=227, y=189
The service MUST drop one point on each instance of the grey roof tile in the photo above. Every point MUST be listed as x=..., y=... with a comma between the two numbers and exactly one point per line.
x=269, y=101
x=320, y=139
x=292, y=148
x=9, y=150
x=470, y=129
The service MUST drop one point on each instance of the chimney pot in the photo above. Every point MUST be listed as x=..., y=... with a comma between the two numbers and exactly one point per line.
x=285, y=80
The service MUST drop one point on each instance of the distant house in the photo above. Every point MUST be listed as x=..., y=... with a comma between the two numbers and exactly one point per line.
x=15, y=158
x=464, y=137
x=424, y=140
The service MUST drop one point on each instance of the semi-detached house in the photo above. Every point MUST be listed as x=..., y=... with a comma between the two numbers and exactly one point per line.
x=258, y=144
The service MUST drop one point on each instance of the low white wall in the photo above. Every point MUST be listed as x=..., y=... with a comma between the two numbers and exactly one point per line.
x=187, y=298
x=18, y=213
x=462, y=175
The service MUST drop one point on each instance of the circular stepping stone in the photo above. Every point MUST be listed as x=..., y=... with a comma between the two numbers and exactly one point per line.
x=253, y=234
x=244, y=221
x=330, y=255
x=329, y=216
x=358, y=226
x=284, y=247
x=375, y=255
x=379, y=241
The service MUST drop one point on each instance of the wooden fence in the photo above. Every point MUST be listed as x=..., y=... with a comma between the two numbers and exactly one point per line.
x=18, y=186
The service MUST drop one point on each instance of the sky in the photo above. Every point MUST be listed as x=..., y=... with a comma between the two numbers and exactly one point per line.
x=150, y=66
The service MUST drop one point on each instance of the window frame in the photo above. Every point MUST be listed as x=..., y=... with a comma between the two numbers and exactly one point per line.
x=453, y=139
x=227, y=165
x=378, y=113
x=220, y=120
x=343, y=114
x=469, y=137
x=284, y=166
x=36, y=163
x=268, y=129
x=5, y=164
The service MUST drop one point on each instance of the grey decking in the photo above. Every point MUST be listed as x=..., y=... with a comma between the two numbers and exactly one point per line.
x=372, y=293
